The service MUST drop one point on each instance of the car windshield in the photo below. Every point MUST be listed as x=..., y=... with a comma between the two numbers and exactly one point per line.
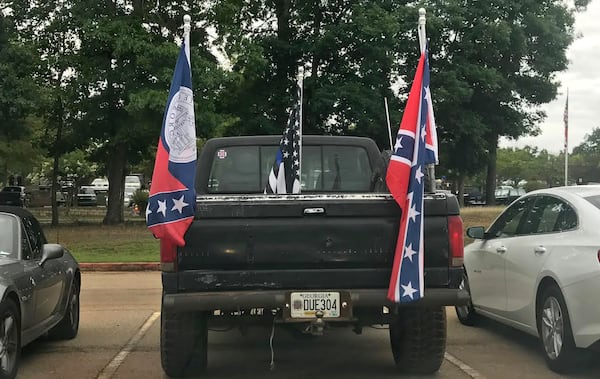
x=8, y=236
x=89, y=191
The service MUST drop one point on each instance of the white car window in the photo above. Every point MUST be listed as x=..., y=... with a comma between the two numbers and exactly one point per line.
x=509, y=222
x=550, y=214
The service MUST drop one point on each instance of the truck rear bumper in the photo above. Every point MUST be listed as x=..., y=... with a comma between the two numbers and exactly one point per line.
x=272, y=299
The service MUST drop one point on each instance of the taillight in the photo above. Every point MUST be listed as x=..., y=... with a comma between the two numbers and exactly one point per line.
x=168, y=255
x=456, y=241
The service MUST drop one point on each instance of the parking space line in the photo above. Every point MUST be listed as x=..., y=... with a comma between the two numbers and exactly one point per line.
x=110, y=369
x=463, y=366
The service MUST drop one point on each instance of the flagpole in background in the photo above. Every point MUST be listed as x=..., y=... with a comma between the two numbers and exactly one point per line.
x=566, y=120
x=423, y=45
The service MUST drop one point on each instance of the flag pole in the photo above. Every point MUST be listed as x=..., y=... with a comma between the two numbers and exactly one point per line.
x=566, y=121
x=387, y=115
x=300, y=79
x=423, y=45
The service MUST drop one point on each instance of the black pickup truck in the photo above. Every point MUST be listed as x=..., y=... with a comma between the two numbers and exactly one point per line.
x=307, y=261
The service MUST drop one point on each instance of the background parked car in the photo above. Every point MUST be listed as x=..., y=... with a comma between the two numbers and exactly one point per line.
x=100, y=184
x=508, y=194
x=87, y=196
x=537, y=268
x=39, y=287
x=14, y=195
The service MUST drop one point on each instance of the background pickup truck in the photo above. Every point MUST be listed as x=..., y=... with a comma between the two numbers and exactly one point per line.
x=14, y=195
x=308, y=261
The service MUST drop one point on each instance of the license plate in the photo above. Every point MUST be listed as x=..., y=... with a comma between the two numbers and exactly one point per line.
x=306, y=304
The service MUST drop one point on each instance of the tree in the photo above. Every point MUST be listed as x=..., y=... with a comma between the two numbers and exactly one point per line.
x=17, y=99
x=124, y=68
x=47, y=26
x=496, y=61
x=351, y=50
x=584, y=164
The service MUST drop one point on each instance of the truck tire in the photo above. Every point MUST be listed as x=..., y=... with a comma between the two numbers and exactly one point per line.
x=418, y=339
x=183, y=343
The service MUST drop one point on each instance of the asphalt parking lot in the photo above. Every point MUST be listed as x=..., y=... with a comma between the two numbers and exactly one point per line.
x=119, y=338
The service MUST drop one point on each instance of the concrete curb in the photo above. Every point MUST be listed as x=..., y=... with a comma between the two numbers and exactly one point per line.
x=121, y=266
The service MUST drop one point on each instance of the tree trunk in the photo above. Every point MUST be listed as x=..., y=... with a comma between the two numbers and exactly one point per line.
x=116, y=183
x=490, y=182
x=56, y=156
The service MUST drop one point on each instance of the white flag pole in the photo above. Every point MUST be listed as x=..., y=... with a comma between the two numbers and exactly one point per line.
x=300, y=78
x=566, y=121
x=423, y=45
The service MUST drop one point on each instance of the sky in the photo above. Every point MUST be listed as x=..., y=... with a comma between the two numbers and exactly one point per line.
x=583, y=81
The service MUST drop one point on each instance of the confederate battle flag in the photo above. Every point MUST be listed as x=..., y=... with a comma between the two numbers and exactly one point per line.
x=172, y=201
x=416, y=146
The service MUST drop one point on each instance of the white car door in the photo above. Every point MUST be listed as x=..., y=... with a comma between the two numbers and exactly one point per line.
x=485, y=259
x=546, y=223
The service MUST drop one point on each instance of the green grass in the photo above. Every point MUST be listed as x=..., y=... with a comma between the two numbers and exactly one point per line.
x=90, y=241
x=131, y=242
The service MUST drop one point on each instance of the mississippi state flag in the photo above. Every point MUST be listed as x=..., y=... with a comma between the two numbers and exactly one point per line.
x=172, y=201
x=416, y=146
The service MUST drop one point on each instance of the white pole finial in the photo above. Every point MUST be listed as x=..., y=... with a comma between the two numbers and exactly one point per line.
x=187, y=27
x=421, y=29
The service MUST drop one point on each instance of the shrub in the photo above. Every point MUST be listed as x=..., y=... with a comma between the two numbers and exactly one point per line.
x=140, y=198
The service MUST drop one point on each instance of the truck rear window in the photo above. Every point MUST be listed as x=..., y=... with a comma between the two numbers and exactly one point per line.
x=326, y=168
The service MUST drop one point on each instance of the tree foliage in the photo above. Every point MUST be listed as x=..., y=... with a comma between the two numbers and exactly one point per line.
x=494, y=65
x=100, y=73
x=584, y=164
x=17, y=101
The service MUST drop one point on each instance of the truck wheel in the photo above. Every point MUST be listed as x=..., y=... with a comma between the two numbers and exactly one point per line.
x=418, y=339
x=183, y=343
x=466, y=313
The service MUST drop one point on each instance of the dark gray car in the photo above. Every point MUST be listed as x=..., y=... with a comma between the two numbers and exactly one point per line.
x=39, y=285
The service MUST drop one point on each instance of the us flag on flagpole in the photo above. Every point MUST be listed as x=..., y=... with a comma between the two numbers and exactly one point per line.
x=284, y=176
x=172, y=199
x=416, y=146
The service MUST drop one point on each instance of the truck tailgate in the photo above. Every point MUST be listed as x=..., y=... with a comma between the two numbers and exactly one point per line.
x=295, y=240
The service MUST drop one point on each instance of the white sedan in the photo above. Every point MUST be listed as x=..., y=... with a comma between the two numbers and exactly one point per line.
x=537, y=268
